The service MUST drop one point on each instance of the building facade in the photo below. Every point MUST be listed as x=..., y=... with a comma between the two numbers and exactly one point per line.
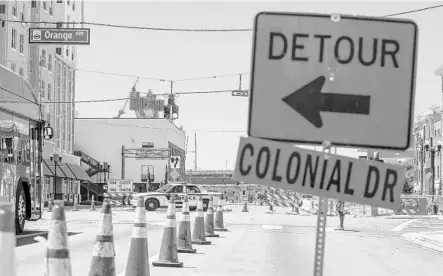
x=49, y=69
x=136, y=149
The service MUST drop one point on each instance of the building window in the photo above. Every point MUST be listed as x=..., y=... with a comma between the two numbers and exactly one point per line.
x=33, y=4
x=59, y=1
x=22, y=43
x=50, y=62
x=72, y=55
x=73, y=5
x=69, y=2
x=22, y=13
x=43, y=59
x=44, y=5
x=21, y=71
x=67, y=52
x=49, y=92
x=14, y=9
x=50, y=7
x=58, y=51
x=68, y=20
x=13, y=67
x=42, y=88
x=13, y=38
x=2, y=9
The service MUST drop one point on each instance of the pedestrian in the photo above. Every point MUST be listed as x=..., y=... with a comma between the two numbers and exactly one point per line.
x=340, y=208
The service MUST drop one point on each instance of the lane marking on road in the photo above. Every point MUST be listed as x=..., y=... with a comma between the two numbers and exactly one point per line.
x=151, y=258
x=271, y=227
x=403, y=225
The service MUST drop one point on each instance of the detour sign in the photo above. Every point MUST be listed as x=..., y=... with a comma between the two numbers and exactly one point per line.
x=285, y=166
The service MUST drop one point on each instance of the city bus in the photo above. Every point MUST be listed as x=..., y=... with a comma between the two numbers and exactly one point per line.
x=21, y=142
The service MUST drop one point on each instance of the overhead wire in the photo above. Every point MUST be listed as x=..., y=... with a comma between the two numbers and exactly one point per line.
x=185, y=29
x=160, y=79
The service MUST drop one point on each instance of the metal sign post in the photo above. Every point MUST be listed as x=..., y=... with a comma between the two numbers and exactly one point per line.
x=321, y=225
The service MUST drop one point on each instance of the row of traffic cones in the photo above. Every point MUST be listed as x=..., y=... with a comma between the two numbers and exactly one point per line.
x=57, y=261
x=181, y=242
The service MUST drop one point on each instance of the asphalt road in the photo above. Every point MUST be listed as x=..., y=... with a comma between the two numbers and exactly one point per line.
x=256, y=244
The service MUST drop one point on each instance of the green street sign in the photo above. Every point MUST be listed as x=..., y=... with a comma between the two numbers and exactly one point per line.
x=65, y=36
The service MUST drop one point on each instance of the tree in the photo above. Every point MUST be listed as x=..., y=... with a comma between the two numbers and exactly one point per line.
x=408, y=186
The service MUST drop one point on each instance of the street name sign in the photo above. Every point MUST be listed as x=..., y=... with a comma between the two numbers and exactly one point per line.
x=349, y=80
x=284, y=166
x=120, y=186
x=66, y=36
x=240, y=93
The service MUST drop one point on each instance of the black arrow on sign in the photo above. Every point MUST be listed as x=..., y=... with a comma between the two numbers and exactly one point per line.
x=309, y=102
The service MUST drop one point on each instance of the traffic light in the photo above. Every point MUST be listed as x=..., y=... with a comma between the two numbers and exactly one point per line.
x=175, y=110
x=167, y=111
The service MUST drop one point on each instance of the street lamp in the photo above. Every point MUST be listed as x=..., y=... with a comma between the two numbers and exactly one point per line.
x=430, y=148
x=55, y=158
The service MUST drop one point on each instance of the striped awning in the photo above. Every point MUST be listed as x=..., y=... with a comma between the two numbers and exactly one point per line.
x=439, y=71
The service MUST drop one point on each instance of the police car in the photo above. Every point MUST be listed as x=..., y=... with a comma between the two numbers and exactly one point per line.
x=160, y=198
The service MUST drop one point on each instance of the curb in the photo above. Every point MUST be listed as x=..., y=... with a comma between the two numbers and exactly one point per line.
x=418, y=240
x=415, y=217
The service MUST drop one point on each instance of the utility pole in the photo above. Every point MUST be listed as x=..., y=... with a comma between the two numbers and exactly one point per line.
x=195, y=151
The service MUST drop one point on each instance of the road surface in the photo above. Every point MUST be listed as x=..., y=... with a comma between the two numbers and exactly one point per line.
x=256, y=244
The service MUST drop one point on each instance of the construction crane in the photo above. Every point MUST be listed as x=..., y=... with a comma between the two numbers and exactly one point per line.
x=122, y=110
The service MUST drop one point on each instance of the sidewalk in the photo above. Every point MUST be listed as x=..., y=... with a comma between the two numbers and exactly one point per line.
x=429, y=240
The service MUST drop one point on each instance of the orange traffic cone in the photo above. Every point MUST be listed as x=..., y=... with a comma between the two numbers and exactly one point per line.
x=184, y=240
x=168, y=255
x=57, y=260
x=209, y=221
x=103, y=253
x=93, y=203
x=245, y=207
x=198, y=233
x=218, y=222
x=138, y=258
x=50, y=205
x=7, y=239
x=75, y=208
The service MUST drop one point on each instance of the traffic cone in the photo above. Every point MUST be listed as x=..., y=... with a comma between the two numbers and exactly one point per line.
x=184, y=240
x=7, y=240
x=138, y=258
x=198, y=233
x=57, y=261
x=103, y=253
x=75, y=203
x=218, y=222
x=50, y=205
x=209, y=221
x=93, y=203
x=245, y=207
x=168, y=256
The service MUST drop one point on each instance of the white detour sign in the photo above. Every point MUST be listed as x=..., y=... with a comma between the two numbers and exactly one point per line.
x=349, y=80
x=285, y=166
x=120, y=186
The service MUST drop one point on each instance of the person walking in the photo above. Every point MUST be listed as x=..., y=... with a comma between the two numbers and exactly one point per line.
x=340, y=208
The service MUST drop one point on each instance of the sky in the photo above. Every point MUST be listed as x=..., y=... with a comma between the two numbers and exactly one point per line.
x=219, y=119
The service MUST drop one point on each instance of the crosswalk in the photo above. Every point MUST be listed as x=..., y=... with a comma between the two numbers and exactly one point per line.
x=430, y=224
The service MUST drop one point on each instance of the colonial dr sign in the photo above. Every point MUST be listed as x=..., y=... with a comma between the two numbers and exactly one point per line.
x=60, y=36
x=345, y=79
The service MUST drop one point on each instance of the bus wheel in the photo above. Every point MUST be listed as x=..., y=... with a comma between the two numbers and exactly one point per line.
x=20, y=209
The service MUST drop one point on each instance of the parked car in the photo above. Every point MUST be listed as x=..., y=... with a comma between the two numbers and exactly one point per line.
x=160, y=197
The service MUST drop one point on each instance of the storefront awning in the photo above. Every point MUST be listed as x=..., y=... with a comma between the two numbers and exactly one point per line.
x=50, y=170
x=79, y=172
